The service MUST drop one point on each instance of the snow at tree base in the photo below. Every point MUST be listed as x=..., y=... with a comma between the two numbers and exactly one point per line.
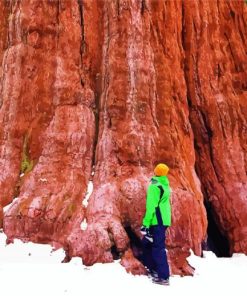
x=33, y=269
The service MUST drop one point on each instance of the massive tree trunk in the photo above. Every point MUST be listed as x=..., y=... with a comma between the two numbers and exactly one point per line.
x=102, y=91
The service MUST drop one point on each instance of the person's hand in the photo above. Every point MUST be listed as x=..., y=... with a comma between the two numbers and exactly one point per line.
x=144, y=230
x=146, y=233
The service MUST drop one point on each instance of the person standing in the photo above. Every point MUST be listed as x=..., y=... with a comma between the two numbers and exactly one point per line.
x=156, y=220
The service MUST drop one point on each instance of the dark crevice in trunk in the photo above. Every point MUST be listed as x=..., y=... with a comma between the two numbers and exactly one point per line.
x=143, y=6
x=216, y=241
x=101, y=81
x=96, y=112
x=135, y=243
x=83, y=43
x=118, y=8
x=115, y=253
x=83, y=52
x=82, y=40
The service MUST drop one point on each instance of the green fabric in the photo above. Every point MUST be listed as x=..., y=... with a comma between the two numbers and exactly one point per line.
x=153, y=197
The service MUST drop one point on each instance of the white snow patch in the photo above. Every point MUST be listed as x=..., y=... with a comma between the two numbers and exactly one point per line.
x=28, y=269
x=89, y=192
x=92, y=174
x=84, y=224
x=5, y=209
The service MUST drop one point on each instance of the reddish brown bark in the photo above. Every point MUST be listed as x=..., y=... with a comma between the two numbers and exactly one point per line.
x=216, y=75
x=104, y=90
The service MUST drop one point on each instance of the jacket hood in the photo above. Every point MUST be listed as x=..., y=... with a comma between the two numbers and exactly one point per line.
x=162, y=179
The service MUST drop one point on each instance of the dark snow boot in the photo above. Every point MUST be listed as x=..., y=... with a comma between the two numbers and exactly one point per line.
x=160, y=281
x=152, y=274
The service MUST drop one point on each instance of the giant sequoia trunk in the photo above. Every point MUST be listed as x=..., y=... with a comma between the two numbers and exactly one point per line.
x=104, y=90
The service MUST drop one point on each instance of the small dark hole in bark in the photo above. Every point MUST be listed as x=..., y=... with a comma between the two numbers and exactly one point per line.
x=135, y=243
x=232, y=13
x=115, y=253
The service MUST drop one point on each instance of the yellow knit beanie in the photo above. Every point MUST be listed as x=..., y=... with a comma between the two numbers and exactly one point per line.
x=161, y=170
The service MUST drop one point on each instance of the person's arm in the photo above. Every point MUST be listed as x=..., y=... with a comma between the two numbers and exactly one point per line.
x=151, y=203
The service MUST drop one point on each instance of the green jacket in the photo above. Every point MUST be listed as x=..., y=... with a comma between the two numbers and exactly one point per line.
x=154, y=205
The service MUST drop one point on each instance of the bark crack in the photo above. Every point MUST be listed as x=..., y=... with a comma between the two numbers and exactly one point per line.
x=99, y=97
x=83, y=42
x=143, y=6
x=80, y=6
x=58, y=21
x=237, y=68
x=118, y=8
x=8, y=35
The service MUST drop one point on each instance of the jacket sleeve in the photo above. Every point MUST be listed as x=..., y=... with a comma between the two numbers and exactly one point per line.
x=151, y=203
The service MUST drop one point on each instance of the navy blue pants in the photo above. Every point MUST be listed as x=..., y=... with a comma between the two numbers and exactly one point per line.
x=154, y=254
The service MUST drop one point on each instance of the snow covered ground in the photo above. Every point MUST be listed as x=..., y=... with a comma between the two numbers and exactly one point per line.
x=34, y=270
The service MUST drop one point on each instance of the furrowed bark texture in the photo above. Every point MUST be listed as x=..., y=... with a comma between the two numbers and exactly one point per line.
x=102, y=91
